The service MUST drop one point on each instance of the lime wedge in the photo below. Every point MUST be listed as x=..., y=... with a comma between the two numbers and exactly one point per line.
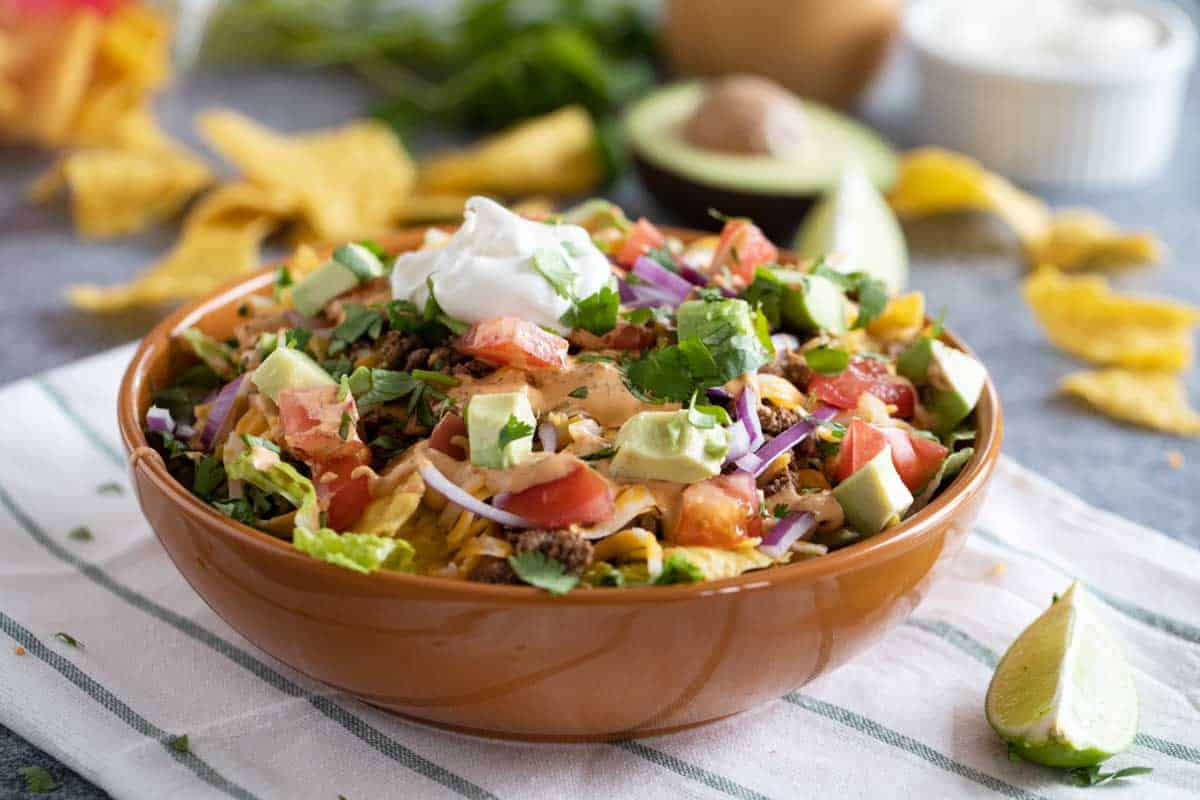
x=854, y=221
x=1063, y=695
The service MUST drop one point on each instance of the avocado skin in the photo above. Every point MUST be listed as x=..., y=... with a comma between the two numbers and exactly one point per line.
x=778, y=215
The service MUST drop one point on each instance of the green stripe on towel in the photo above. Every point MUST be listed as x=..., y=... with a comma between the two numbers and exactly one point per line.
x=113, y=454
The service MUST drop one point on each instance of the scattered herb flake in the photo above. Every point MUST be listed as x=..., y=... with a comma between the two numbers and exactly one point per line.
x=179, y=744
x=779, y=511
x=678, y=569
x=359, y=321
x=580, y=393
x=1092, y=776
x=67, y=638
x=600, y=455
x=112, y=487
x=210, y=474
x=538, y=569
x=38, y=780
x=81, y=533
x=662, y=374
x=435, y=378
x=552, y=265
x=596, y=313
x=513, y=430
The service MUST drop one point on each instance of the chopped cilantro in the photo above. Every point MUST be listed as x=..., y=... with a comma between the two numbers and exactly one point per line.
x=435, y=378
x=283, y=279
x=112, y=487
x=434, y=312
x=239, y=509
x=1092, y=776
x=360, y=321
x=721, y=339
x=258, y=441
x=870, y=293
x=827, y=360
x=779, y=511
x=640, y=316
x=662, y=374
x=513, y=430
x=37, y=779
x=766, y=294
x=678, y=569
x=81, y=533
x=538, y=569
x=552, y=265
x=345, y=427
x=710, y=294
x=372, y=386
x=210, y=474
x=600, y=455
x=579, y=393
x=172, y=446
x=338, y=367
x=596, y=313
x=297, y=338
x=68, y=639
x=179, y=744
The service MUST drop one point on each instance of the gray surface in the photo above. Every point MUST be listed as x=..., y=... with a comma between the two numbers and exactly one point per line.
x=970, y=266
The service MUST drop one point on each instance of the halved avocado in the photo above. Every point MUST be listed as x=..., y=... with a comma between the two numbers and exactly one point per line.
x=774, y=191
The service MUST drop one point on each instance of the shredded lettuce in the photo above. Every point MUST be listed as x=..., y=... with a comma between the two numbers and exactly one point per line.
x=217, y=355
x=361, y=552
x=260, y=467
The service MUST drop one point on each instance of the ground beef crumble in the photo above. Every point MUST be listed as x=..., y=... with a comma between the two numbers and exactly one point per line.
x=774, y=419
x=407, y=352
x=792, y=366
x=566, y=547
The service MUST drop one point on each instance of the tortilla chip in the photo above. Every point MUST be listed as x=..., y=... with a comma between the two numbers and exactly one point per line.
x=1083, y=316
x=348, y=182
x=554, y=154
x=116, y=192
x=419, y=208
x=1155, y=400
x=56, y=80
x=135, y=47
x=934, y=181
x=220, y=241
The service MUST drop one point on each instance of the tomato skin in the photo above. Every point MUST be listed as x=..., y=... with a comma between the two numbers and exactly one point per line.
x=743, y=248
x=513, y=342
x=642, y=238
x=580, y=497
x=343, y=497
x=916, y=458
x=861, y=443
x=865, y=375
x=441, y=438
x=719, y=512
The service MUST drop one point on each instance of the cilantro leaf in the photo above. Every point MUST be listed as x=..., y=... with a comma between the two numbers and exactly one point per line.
x=513, y=430
x=179, y=744
x=112, y=487
x=210, y=474
x=827, y=360
x=662, y=374
x=596, y=313
x=38, y=780
x=81, y=533
x=435, y=313
x=538, y=569
x=678, y=569
x=238, y=509
x=552, y=265
x=1092, y=776
x=435, y=378
x=297, y=338
x=67, y=638
x=720, y=340
x=600, y=455
x=766, y=294
x=779, y=511
x=360, y=321
x=283, y=279
x=579, y=393
x=373, y=386
x=870, y=292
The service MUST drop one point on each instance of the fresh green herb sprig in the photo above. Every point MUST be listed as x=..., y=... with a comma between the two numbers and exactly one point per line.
x=538, y=569
x=513, y=430
x=870, y=293
x=1092, y=776
x=678, y=569
x=38, y=779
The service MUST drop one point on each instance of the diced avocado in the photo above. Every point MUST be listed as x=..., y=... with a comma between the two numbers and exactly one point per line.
x=350, y=265
x=666, y=446
x=874, y=497
x=952, y=380
x=487, y=416
x=286, y=368
x=813, y=302
x=733, y=340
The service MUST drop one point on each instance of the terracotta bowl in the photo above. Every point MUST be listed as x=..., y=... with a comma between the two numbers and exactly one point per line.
x=513, y=661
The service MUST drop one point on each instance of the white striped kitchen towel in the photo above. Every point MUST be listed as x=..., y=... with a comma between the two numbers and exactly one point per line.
x=903, y=720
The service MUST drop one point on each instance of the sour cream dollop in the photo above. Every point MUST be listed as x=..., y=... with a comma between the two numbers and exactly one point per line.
x=486, y=269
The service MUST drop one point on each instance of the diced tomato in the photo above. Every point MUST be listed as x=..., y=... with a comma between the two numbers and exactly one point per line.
x=743, y=248
x=513, y=342
x=579, y=497
x=861, y=443
x=719, y=512
x=642, y=238
x=449, y=427
x=865, y=375
x=916, y=458
x=313, y=421
x=343, y=497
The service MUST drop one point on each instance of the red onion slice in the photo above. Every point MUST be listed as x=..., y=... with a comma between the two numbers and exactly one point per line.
x=739, y=442
x=159, y=420
x=659, y=276
x=757, y=462
x=217, y=415
x=784, y=342
x=643, y=295
x=467, y=501
x=693, y=275
x=747, y=414
x=788, y=531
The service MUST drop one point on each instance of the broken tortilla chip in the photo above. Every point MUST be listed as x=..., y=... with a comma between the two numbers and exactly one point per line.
x=348, y=182
x=902, y=317
x=935, y=181
x=1084, y=317
x=555, y=154
x=1155, y=400
x=116, y=192
x=220, y=241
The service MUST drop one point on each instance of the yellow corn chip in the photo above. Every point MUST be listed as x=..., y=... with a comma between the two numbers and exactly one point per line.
x=220, y=241
x=1155, y=400
x=348, y=182
x=135, y=47
x=902, y=317
x=56, y=80
x=115, y=192
x=934, y=181
x=1083, y=316
x=553, y=154
x=419, y=208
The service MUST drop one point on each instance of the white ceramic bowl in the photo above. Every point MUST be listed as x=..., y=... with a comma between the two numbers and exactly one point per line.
x=1096, y=124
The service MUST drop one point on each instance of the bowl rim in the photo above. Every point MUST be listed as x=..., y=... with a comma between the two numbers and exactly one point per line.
x=157, y=345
